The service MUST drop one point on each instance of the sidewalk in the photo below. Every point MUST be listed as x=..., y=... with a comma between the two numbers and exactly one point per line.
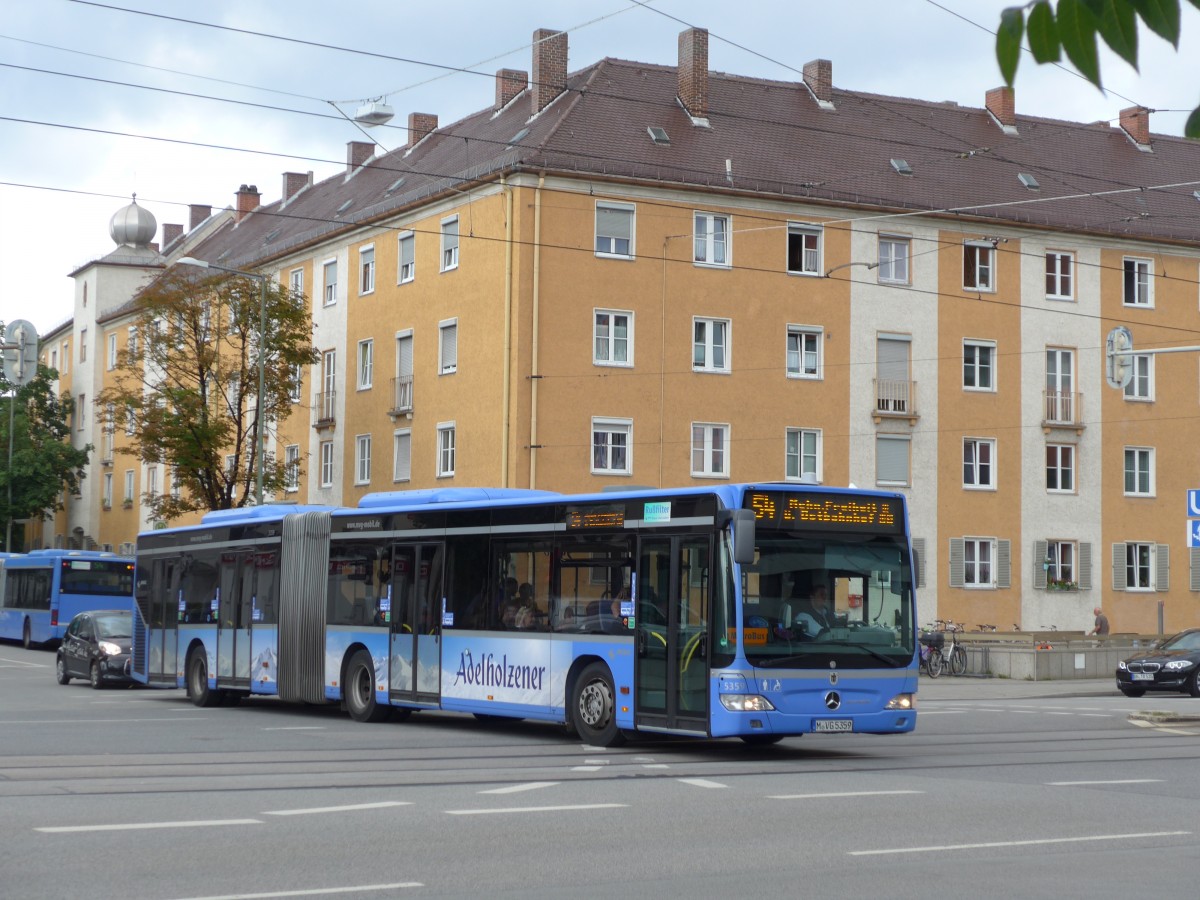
x=969, y=687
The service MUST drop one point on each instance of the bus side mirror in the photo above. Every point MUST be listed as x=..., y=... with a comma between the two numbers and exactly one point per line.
x=742, y=526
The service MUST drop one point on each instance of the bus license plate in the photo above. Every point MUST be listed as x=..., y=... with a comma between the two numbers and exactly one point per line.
x=1143, y=676
x=833, y=725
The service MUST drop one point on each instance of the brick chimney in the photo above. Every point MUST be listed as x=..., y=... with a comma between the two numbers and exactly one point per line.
x=1001, y=102
x=294, y=183
x=247, y=201
x=197, y=213
x=419, y=125
x=549, y=67
x=818, y=76
x=509, y=83
x=693, y=71
x=1135, y=122
x=357, y=153
x=170, y=233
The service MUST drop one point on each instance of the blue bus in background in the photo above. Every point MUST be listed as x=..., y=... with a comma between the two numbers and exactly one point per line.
x=41, y=591
x=641, y=611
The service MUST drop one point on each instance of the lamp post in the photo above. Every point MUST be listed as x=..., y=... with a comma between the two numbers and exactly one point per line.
x=262, y=378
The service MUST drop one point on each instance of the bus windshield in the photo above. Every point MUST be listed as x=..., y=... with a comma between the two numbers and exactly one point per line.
x=96, y=577
x=814, y=600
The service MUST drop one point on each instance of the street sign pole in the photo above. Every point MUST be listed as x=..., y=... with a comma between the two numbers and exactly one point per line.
x=19, y=349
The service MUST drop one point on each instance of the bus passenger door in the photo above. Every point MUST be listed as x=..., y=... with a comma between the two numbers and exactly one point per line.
x=416, y=624
x=672, y=633
x=160, y=608
x=233, y=619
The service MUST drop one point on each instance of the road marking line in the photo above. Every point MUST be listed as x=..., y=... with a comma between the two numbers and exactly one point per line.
x=1032, y=843
x=597, y=762
x=655, y=766
x=516, y=788
x=297, y=728
x=840, y=794
x=942, y=712
x=1095, y=716
x=586, y=768
x=331, y=809
x=525, y=809
x=144, y=826
x=703, y=782
x=1114, y=781
x=1060, y=713
x=79, y=721
x=316, y=892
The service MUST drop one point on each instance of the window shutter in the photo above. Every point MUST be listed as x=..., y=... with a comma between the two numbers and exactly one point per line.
x=1162, y=567
x=404, y=355
x=403, y=466
x=891, y=460
x=1194, y=565
x=1118, y=567
x=450, y=348
x=956, y=562
x=1039, y=557
x=1004, y=564
x=613, y=222
x=918, y=545
x=1084, y=575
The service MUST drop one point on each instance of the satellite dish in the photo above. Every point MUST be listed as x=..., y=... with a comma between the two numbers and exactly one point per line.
x=373, y=112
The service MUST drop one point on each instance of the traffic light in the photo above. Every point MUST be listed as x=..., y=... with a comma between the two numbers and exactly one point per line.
x=1118, y=354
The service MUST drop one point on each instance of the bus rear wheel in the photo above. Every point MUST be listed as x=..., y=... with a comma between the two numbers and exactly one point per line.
x=197, y=680
x=27, y=636
x=359, y=688
x=760, y=740
x=594, y=707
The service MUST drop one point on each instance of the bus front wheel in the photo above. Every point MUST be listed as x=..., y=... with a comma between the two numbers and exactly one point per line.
x=360, y=690
x=594, y=707
x=197, y=680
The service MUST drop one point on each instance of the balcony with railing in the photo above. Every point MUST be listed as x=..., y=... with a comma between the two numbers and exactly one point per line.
x=323, y=411
x=1062, y=409
x=895, y=399
x=402, y=396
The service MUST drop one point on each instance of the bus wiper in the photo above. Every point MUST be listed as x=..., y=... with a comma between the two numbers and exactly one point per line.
x=892, y=662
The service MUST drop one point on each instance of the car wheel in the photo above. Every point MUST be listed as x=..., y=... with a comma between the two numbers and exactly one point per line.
x=359, y=690
x=594, y=707
x=1193, y=683
x=197, y=680
x=94, y=676
x=60, y=670
x=27, y=636
x=1133, y=691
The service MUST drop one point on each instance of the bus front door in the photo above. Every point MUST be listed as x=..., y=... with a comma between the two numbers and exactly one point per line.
x=233, y=619
x=158, y=601
x=672, y=633
x=416, y=623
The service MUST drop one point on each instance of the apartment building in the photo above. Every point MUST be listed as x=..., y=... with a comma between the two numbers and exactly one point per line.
x=644, y=274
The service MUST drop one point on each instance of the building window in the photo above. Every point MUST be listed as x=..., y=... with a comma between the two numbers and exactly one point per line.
x=408, y=257
x=979, y=363
x=893, y=259
x=296, y=284
x=1139, y=567
x=83, y=344
x=450, y=244
x=803, y=352
x=366, y=264
x=711, y=239
x=402, y=455
x=1141, y=385
x=329, y=271
x=804, y=250
x=1060, y=559
x=326, y=464
x=131, y=342
x=54, y=359
x=366, y=364
x=448, y=347
x=1060, y=468
x=297, y=382
x=613, y=338
x=710, y=450
x=979, y=563
x=446, y=449
x=327, y=400
x=892, y=453
x=1139, y=472
x=106, y=496
x=1060, y=276
x=291, y=468
x=112, y=351
x=152, y=481
x=362, y=459
x=66, y=357
x=128, y=496
x=614, y=230
x=1138, y=285
x=81, y=412
x=802, y=453
x=612, y=445
x=710, y=345
x=979, y=267
x=979, y=470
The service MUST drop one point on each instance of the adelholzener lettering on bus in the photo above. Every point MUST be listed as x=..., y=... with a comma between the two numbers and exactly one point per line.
x=490, y=672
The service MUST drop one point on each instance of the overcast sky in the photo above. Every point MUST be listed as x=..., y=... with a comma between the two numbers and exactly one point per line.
x=79, y=133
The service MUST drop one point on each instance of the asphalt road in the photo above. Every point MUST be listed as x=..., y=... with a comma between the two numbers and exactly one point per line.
x=137, y=794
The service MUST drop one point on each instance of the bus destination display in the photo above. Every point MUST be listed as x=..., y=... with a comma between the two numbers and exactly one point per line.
x=792, y=510
x=610, y=515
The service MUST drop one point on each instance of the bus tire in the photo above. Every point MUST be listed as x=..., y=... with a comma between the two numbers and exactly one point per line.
x=197, y=680
x=27, y=636
x=231, y=698
x=594, y=707
x=760, y=740
x=359, y=690
x=60, y=670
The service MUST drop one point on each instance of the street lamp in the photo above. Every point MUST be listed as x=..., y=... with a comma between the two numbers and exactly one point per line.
x=262, y=378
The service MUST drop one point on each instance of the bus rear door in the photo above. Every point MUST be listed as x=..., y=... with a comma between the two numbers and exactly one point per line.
x=416, y=626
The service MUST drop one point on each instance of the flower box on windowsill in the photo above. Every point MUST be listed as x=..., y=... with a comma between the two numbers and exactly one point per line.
x=107, y=504
x=1053, y=585
x=127, y=504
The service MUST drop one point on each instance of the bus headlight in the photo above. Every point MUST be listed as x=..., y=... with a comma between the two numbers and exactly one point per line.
x=902, y=701
x=746, y=703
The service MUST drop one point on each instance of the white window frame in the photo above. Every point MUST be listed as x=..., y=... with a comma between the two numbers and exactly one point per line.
x=112, y=350
x=976, y=365
x=326, y=455
x=366, y=269
x=1134, y=568
x=83, y=344
x=895, y=259
x=362, y=459
x=979, y=474
x=66, y=358
x=981, y=275
x=152, y=481
x=605, y=346
x=450, y=242
x=707, y=346
x=1141, y=271
x=402, y=438
x=979, y=560
x=609, y=245
x=366, y=364
x=796, y=458
x=107, y=494
x=893, y=440
x=447, y=449
x=1060, y=275
x=406, y=271
x=329, y=284
x=802, y=361
x=1141, y=386
x=296, y=283
x=128, y=486
x=291, y=468
x=710, y=456
x=1142, y=459
x=712, y=247
x=605, y=455
x=810, y=257
x=1060, y=570
x=1061, y=465
x=445, y=366
x=297, y=383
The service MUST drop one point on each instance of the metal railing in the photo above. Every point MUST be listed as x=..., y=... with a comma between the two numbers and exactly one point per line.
x=323, y=411
x=1062, y=407
x=896, y=397
x=402, y=394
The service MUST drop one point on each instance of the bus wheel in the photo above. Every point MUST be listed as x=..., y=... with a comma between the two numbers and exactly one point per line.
x=760, y=740
x=27, y=636
x=594, y=707
x=60, y=670
x=197, y=681
x=359, y=690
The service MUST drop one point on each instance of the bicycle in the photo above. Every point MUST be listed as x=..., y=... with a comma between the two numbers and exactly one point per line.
x=932, y=661
x=956, y=655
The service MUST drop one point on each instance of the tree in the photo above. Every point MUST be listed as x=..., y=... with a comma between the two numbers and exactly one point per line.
x=44, y=464
x=1072, y=28
x=187, y=387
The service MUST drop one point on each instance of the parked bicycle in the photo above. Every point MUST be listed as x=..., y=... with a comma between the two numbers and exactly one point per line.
x=955, y=655
x=932, y=661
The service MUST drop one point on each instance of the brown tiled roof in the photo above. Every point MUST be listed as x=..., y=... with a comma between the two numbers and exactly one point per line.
x=780, y=145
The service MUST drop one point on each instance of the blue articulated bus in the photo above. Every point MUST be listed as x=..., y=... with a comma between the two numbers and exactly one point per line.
x=41, y=591
x=687, y=612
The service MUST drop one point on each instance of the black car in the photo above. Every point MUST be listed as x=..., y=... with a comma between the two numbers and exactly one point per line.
x=96, y=647
x=1171, y=665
